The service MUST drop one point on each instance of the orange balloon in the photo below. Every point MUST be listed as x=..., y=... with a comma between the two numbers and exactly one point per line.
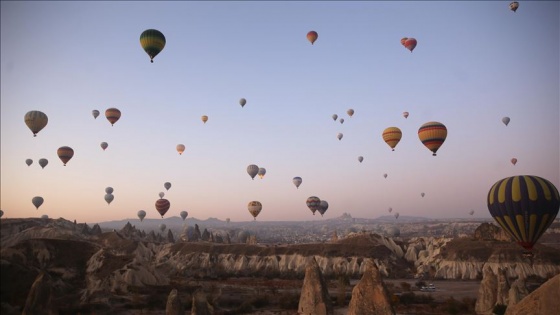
x=432, y=134
x=65, y=154
x=392, y=136
x=112, y=115
x=312, y=36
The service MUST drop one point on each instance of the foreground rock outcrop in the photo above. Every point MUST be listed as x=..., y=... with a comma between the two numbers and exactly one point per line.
x=487, y=293
x=39, y=301
x=544, y=300
x=370, y=296
x=174, y=306
x=314, y=298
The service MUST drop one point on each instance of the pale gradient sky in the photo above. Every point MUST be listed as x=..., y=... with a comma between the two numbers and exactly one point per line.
x=475, y=62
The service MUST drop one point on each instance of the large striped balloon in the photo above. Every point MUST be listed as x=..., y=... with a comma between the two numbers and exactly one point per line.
x=524, y=206
x=392, y=136
x=313, y=203
x=254, y=208
x=152, y=42
x=162, y=205
x=432, y=134
x=36, y=121
x=65, y=154
x=113, y=115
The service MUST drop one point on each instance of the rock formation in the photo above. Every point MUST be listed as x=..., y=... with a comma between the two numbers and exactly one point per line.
x=96, y=230
x=490, y=232
x=334, y=237
x=170, y=237
x=370, y=296
x=314, y=298
x=39, y=299
x=544, y=300
x=200, y=305
x=174, y=306
x=517, y=292
x=503, y=287
x=487, y=293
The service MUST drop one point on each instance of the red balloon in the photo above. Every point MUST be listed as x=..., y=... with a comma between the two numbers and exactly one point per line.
x=162, y=205
x=410, y=44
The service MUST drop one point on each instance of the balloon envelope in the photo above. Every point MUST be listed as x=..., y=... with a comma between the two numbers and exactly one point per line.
x=350, y=112
x=403, y=40
x=162, y=205
x=323, y=206
x=524, y=206
x=513, y=6
x=390, y=209
x=113, y=115
x=36, y=121
x=104, y=145
x=505, y=120
x=204, y=119
x=339, y=136
x=43, y=162
x=141, y=214
x=397, y=215
x=514, y=161
x=297, y=181
x=392, y=136
x=167, y=185
x=29, y=162
x=335, y=117
x=1, y=213
x=252, y=170
x=184, y=215
x=432, y=134
x=65, y=154
x=109, y=190
x=162, y=227
x=95, y=113
x=313, y=203
x=422, y=194
x=109, y=198
x=153, y=42
x=37, y=201
x=254, y=208
x=262, y=172
x=180, y=148
x=385, y=175
x=161, y=194
x=242, y=102
x=410, y=44
x=360, y=159
x=405, y=114
x=341, y=120
x=471, y=212
x=312, y=36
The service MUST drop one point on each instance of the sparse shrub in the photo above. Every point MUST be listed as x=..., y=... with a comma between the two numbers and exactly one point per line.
x=499, y=309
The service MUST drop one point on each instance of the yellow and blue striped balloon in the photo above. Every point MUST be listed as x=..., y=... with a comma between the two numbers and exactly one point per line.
x=524, y=206
x=152, y=42
x=432, y=134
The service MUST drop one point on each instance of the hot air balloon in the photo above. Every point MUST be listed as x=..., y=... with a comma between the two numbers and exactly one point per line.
x=112, y=115
x=45, y=217
x=323, y=206
x=410, y=44
x=403, y=40
x=152, y=42
x=341, y=120
x=505, y=120
x=109, y=190
x=65, y=154
x=104, y=145
x=162, y=205
x=204, y=119
x=184, y=215
x=339, y=136
x=385, y=175
x=29, y=162
x=261, y=172
x=141, y=214
x=390, y=209
x=514, y=161
x=313, y=203
x=524, y=206
x=242, y=102
x=43, y=162
x=471, y=212
x=422, y=194
x=335, y=117
x=297, y=181
x=513, y=6
x=254, y=208
x=109, y=198
x=312, y=36
x=432, y=134
x=360, y=159
x=95, y=113
x=392, y=136
x=397, y=215
x=37, y=201
x=36, y=121
x=162, y=227
x=167, y=185
x=161, y=194
x=350, y=112
x=252, y=170
x=405, y=114
x=180, y=148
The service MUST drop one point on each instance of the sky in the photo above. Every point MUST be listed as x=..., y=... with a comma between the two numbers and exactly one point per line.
x=475, y=62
